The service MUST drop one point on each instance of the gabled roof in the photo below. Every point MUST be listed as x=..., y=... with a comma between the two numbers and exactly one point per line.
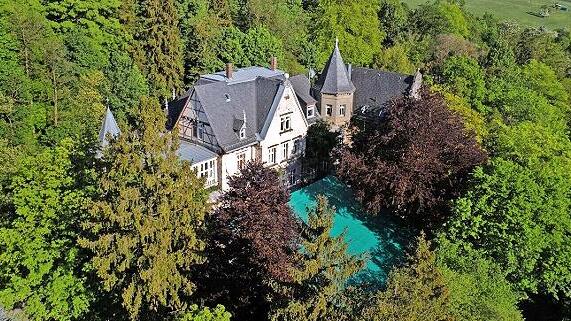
x=226, y=103
x=301, y=86
x=334, y=78
x=109, y=126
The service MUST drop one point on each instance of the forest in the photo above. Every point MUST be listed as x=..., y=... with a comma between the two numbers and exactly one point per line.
x=481, y=165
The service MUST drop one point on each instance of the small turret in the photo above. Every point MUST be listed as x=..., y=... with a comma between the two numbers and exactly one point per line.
x=109, y=126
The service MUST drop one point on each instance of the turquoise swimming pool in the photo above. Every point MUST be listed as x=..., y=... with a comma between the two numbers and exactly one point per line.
x=382, y=238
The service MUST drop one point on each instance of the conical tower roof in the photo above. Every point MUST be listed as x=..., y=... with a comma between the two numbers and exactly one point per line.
x=334, y=78
x=109, y=126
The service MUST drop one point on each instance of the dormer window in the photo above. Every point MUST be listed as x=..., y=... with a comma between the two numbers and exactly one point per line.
x=310, y=111
x=227, y=96
x=242, y=134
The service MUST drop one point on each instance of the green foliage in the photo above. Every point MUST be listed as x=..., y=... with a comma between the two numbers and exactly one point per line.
x=417, y=291
x=260, y=45
x=195, y=313
x=439, y=17
x=517, y=210
x=146, y=218
x=478, y=288
x=124, y=85
x=395, y=59
x=319, y=143
x=473, y=120
x=161, y=46
x=40, y=262
x=464, y=77
x=354, y=23
x=393, y=17
x=319, y=280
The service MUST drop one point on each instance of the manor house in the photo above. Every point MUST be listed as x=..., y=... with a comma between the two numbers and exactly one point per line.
x=231, y=117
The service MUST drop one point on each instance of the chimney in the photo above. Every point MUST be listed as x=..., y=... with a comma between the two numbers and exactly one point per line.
x=349, y=70
x=229, y=70
x=274, y=63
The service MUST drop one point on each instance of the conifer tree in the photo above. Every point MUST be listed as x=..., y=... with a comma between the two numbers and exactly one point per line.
x=414, y=292
x=324, y=268
x=160, y=40
x=146, y=218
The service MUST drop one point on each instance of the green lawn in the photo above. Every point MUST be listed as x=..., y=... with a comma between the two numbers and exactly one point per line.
x=517, y=10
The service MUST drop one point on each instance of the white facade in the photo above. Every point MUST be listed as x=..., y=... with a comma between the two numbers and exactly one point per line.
x=280, y=145
x=284, y=140
x=232, y=162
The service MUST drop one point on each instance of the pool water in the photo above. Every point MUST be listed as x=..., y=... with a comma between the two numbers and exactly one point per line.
x=381, y=238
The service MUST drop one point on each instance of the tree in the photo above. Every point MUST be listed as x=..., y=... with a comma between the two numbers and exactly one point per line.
x=356, y=25
x=253, y=242
x=195, y=313
x=320, y=278
x=413, y=161
x=517, y=209
x=40, y=261
x=260, y=45
x=417, y=291
x=393, y=17
x=161, y=44
x=478, y=286
x=395, y=59
x=125, y=85
x=146, y=218
x=319, y=143
x=440, y=17
x=464, y=77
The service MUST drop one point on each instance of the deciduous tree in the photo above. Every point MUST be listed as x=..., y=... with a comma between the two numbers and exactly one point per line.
x=40, y=260
x=412, y=161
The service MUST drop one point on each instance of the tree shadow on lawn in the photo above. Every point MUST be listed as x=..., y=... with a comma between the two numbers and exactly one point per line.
x=392, y=236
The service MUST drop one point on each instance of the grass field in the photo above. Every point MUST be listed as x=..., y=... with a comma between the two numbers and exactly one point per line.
x=521, y=11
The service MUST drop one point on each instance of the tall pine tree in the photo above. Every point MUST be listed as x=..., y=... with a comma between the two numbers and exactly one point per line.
x=161, y=43
x=146, y=218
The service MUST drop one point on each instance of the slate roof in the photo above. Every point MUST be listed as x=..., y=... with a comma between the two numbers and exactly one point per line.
x=109, y=126
x=226, y=102
x=194, y=153
x=334, y=78
x=375, y=88
x=302, y=87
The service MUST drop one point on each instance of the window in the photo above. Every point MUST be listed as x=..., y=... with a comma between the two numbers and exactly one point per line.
x=272, y=155
x=201, y=131
x=342, y=110
x=296, y=146
x=310, y=111
x=285, y=151
x=292, y=177
x=227, y=96
x=241, y=161
x=243, y=132
x=285, y=123
x=208, y=171
x=329, y=110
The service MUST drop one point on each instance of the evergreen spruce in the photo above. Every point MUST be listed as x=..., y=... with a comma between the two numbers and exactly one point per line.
x=146, y=218
x=161, y=43
x=324, y=268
